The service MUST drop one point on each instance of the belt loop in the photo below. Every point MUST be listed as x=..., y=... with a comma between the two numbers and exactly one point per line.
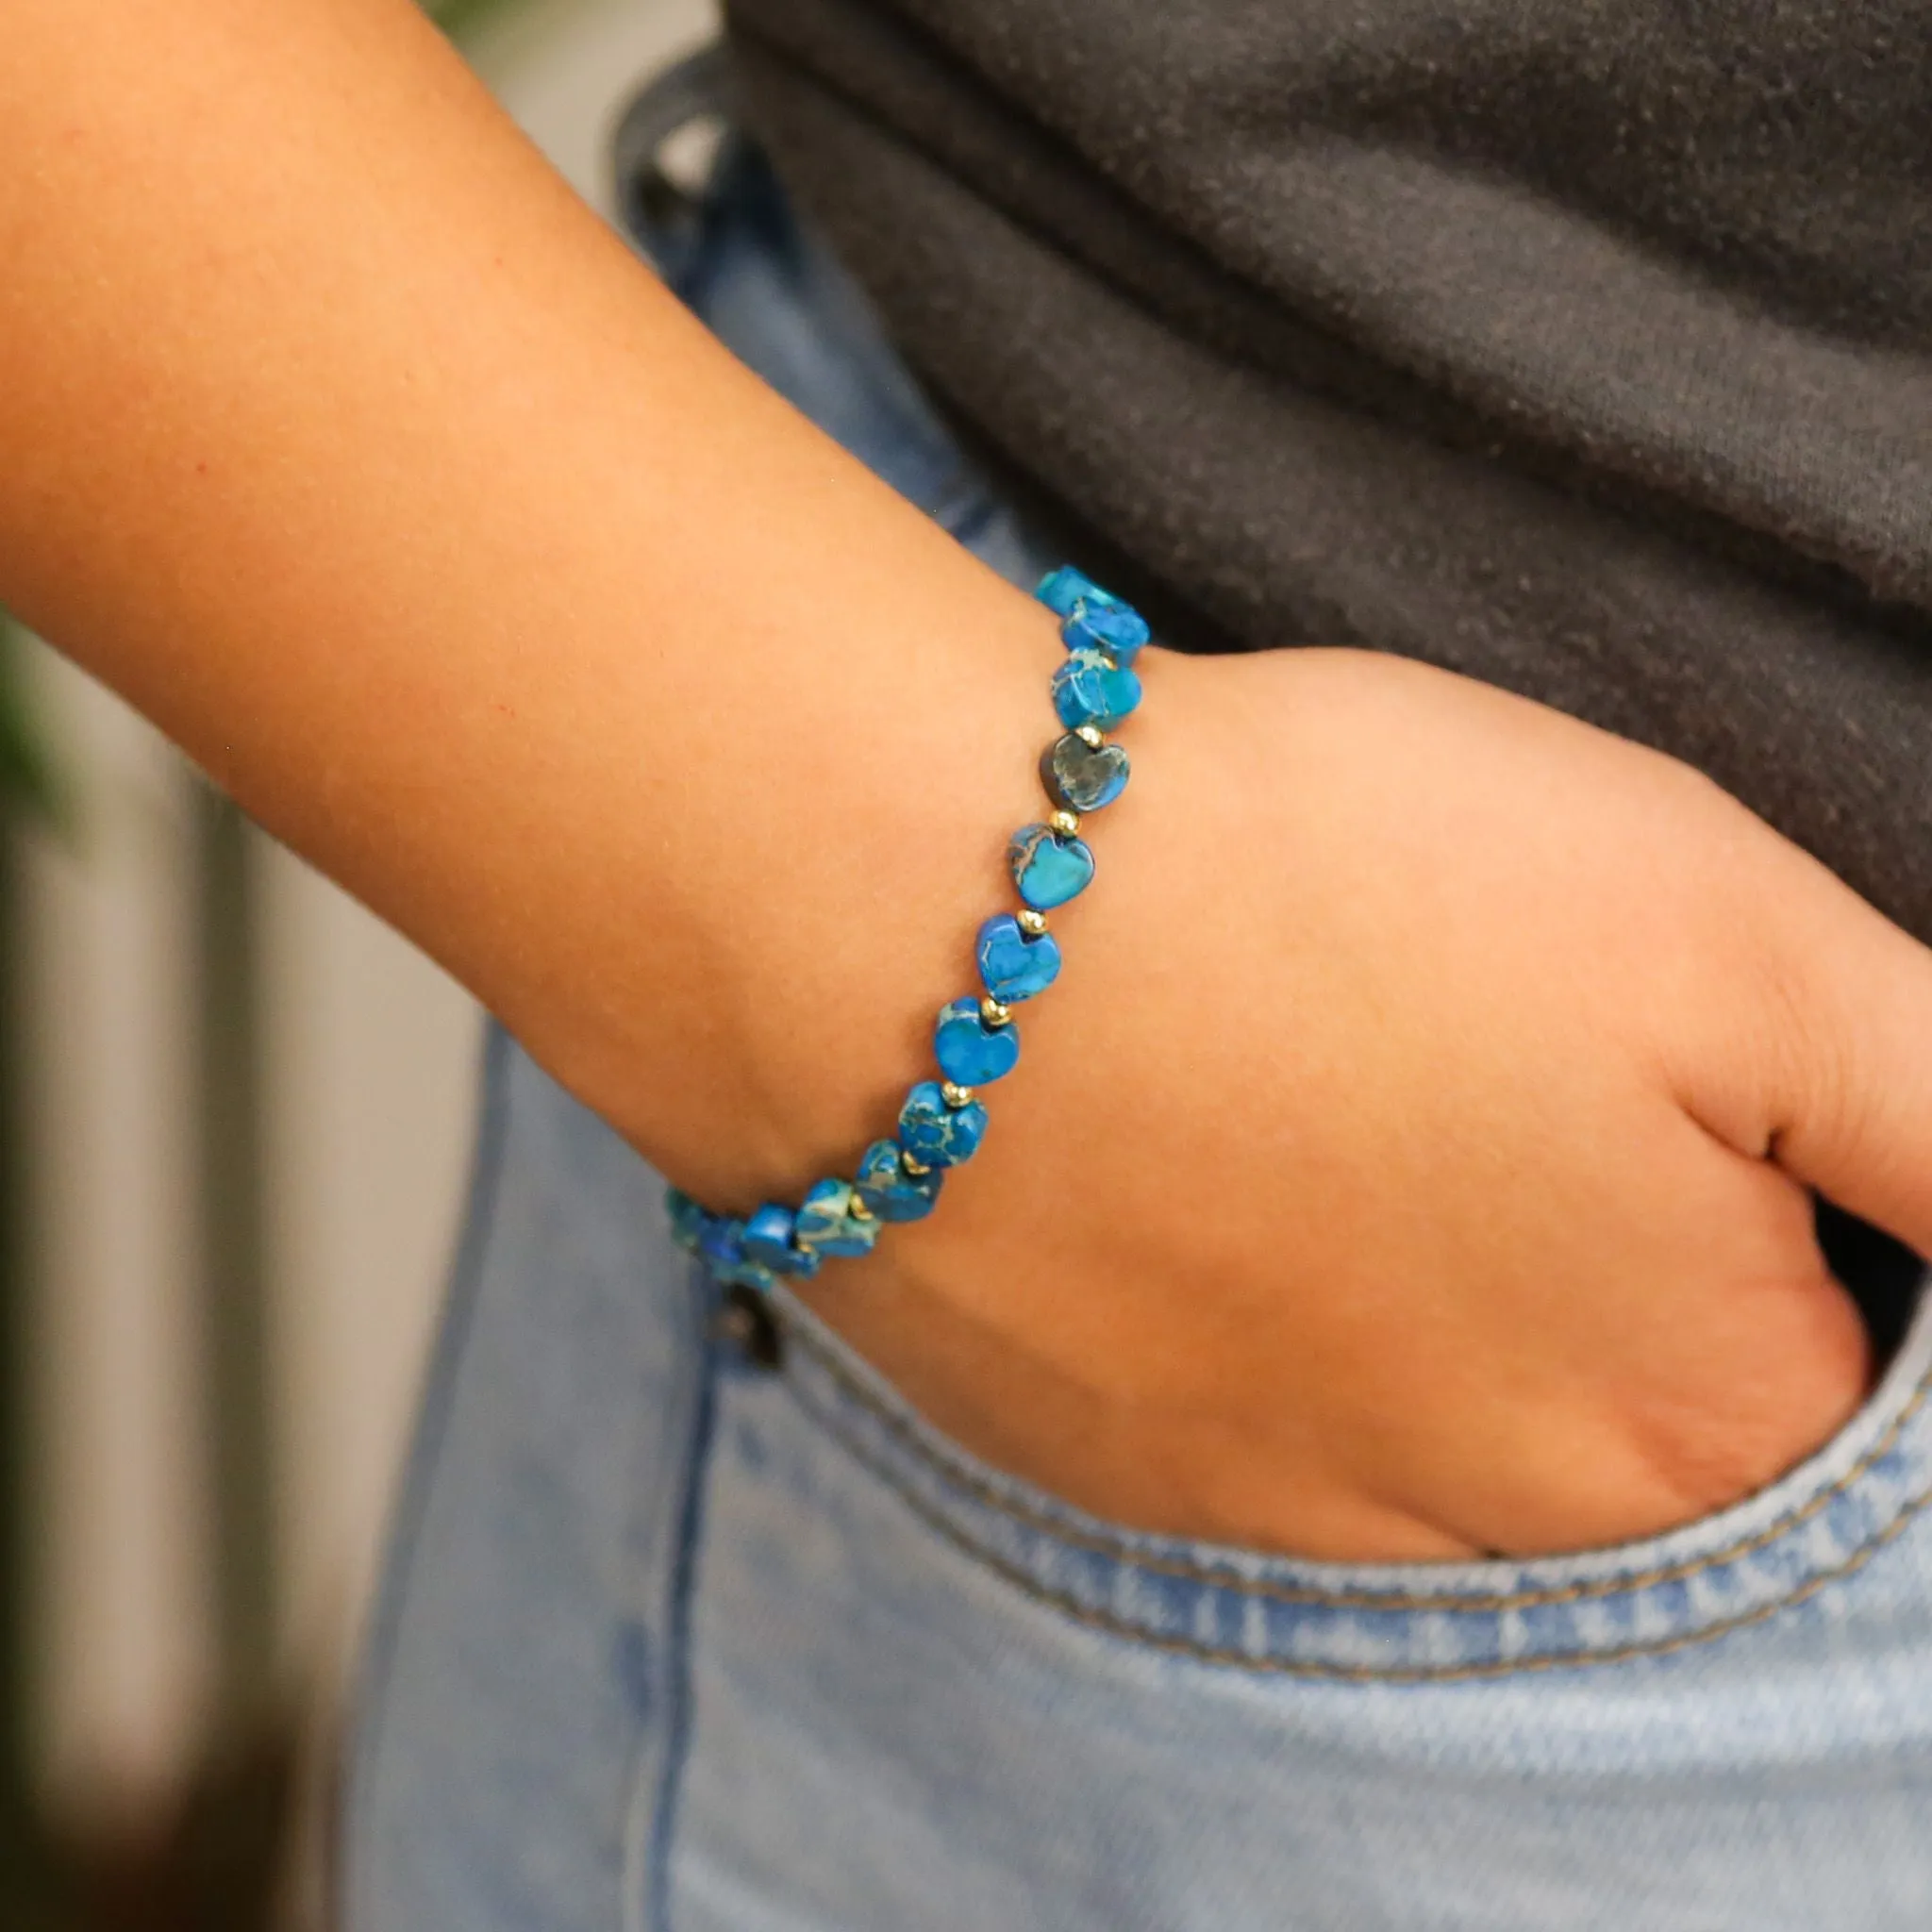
x=660, y=184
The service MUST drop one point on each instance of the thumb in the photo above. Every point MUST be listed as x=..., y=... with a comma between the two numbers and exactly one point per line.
x=1849, y=1099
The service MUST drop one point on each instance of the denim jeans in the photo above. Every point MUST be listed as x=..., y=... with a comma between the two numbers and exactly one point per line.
x=693, y=1625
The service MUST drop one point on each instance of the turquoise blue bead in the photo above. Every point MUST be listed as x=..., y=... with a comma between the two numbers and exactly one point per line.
x=1015, y=964
x=1080, y=777
x=1063, y=590
x=720, y=1243
x=1048, y=869
x=970, y=1051
x=826, y=1224
x=1089, y=689
x=687, y=1220
x=721, y=1248
x=768, y=1240
x=889, y=1191
x=937, y=1135
x=1113, y=629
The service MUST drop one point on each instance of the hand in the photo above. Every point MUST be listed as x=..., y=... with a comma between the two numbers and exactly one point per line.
x=1411, y=1160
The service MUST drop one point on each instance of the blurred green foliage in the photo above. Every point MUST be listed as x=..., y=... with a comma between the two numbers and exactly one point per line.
x=454, y=17
x=26, y=769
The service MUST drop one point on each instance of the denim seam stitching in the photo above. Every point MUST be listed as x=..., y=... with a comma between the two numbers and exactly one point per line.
x=680, y=1602
x=1113, y=1625
x=1223, y=1578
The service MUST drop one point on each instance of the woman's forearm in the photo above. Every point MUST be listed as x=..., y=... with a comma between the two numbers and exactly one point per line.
x=342, y=439
x=1412, y=1162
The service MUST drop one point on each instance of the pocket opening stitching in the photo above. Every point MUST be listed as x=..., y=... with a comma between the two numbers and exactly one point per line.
x=1111, y=1623
x=1225, y=1577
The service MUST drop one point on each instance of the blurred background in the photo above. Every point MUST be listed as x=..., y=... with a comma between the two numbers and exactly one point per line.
x=234, y=1123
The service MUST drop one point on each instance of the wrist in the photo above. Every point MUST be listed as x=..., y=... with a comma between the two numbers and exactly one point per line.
x=976, y=1039
x=838, y=912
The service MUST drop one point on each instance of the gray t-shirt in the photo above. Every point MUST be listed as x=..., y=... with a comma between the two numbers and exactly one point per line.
x=1579, y=345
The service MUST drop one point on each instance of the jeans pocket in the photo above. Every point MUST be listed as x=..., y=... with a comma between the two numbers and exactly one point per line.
x=925, y=1694
x=1818, y=1525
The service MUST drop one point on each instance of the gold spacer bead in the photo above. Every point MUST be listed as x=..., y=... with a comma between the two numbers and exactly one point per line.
x=1065, y=823
x=1030, y=921
x=993, y=1012
x=1091, y=736
x=915, y=1168
x=856, y=1208
x=956, y=1096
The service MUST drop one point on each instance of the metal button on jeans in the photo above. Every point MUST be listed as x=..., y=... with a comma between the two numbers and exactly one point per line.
x=745, y=1321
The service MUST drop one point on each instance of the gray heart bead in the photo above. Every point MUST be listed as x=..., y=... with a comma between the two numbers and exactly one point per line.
x=1079, y=777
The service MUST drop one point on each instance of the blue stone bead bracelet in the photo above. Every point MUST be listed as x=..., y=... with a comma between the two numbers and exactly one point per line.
x=976, y=1041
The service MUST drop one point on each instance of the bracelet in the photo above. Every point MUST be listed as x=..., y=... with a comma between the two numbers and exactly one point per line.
x=976, y=1041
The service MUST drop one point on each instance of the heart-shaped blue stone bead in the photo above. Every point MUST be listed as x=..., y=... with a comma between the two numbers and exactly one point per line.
x=769, y=1235
x=937, y=1135
x=1114, y=630
x=1080, y=776
x=1048, y=869
x=1013, y=963
x=1090, y=689
x=889, y=1191
x=1063, y=590
x=826, y=1224
x=970, y=1051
